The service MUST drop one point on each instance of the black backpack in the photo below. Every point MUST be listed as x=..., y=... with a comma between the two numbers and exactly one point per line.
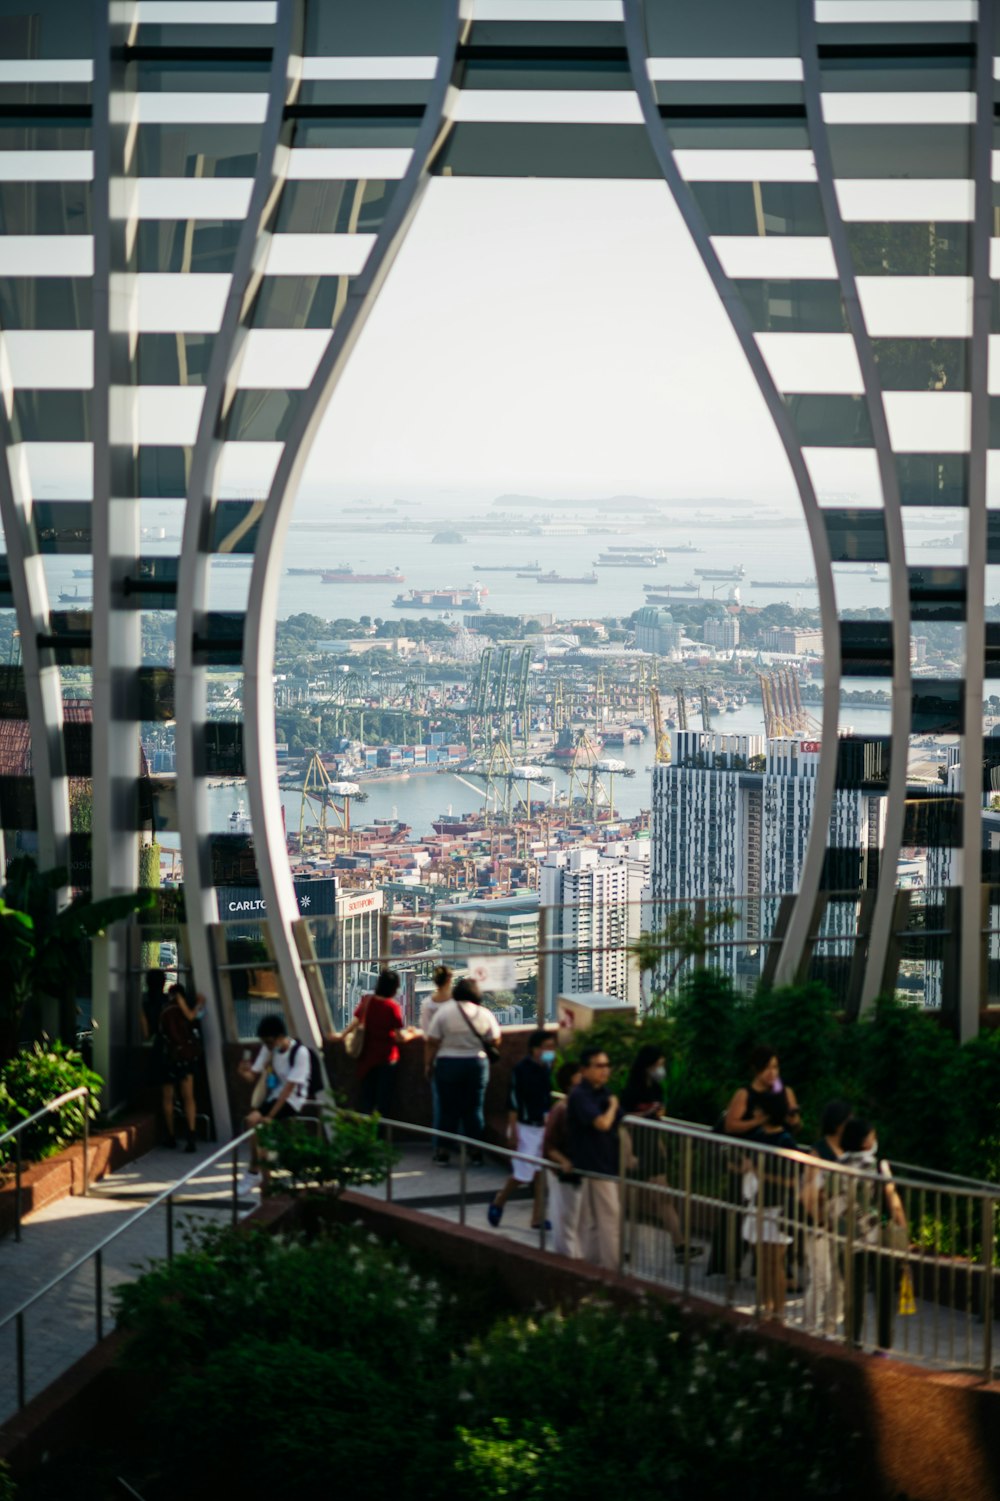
x=316, y=1081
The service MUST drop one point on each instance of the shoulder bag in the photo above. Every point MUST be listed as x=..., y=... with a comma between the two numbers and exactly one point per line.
x=354, y=1042
x=487, y=1044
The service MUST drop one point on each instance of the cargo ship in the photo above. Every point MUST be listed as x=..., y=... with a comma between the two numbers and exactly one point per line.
x=584, y=748
x=521, y=569
x=654, y=590
x=556, y=578
x=346, y=575
x=441, y=599
x=626, y=560
x=783, y=583
x=454, y=823
x=738, y=572
x=659, y=553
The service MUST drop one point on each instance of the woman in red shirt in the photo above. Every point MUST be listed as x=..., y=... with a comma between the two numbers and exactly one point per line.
x=382, y=1018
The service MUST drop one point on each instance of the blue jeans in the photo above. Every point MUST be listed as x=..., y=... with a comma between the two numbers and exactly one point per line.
x=461, y=1091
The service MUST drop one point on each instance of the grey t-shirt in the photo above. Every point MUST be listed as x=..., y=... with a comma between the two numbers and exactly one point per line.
x=453, y=1031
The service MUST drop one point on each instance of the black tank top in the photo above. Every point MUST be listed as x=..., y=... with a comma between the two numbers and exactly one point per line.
x=755, y=1102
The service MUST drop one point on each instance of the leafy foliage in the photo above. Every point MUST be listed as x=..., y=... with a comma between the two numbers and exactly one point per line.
x=33, y=1077
x=342, y=1352
x=348, y=1153
x=43, y=950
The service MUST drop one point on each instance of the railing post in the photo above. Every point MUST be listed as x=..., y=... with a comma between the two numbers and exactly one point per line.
x=99, y=1292
x=170, y=1229
x=17, y=1186
x=462, y=1169
x=542, y=982
x=388, y=1176
x=86, y=1142
x=688, y=1167
x=19, y=1332
x=850, y=1290
x=986, y=1302
x=384, y=939
x=758, y=1281
x=622, y=1202
x=234, y=1181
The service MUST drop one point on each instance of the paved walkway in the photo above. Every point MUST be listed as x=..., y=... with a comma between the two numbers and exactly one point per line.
x=63, y=1325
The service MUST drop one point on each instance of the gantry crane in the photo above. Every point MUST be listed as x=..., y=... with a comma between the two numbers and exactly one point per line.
x=682, y=713
x=661, y=740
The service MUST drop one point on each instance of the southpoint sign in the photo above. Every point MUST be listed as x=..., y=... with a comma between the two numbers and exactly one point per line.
x=354, y=906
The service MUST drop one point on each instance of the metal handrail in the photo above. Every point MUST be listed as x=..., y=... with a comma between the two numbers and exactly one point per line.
x=96, y=1254
x=47, y=1109
x=974, y=1188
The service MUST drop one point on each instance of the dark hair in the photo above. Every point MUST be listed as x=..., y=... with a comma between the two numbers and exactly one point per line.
x=565, y=1075
x=387, y=983
x=835, y=1114
x=441, y=975
x=760, y=1057
x=538, y=1038
x=588, y=1054
x=466, y=990
x=272, y=1026
x=179, y=989
x=637, y=1087
x=856, y=1133
x=156, y=979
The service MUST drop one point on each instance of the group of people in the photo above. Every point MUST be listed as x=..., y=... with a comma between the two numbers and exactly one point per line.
x=569, y=1139
x=797, y=1215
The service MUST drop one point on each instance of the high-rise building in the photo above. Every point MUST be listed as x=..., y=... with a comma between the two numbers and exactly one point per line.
x=594, y=898
x=722, y=632
x=657, y=631
x=732, y=816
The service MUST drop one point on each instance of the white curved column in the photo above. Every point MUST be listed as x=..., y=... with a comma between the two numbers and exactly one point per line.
x=277, y=887
x=971, y=951
x=899, y=591
x=795, y=943
x=190, y=680
x=42, y=682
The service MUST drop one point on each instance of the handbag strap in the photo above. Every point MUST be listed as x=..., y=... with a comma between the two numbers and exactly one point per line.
x=474, y=1030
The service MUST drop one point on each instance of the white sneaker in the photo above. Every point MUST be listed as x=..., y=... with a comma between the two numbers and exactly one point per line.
x=249, y=1183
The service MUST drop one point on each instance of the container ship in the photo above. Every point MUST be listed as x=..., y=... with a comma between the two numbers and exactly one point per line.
x=721, y=573
x=521, y=569
x=441, y=599
x=585, y=749
x=783, y=583
x=556, y=578
x=626, y=560
x=346, y=575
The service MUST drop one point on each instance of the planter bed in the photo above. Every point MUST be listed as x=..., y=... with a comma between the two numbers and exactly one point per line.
x=57, y=1177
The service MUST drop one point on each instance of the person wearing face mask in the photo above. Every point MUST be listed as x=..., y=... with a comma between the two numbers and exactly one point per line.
x=643, y=1096
x=880, y=1233
x=529, y=1103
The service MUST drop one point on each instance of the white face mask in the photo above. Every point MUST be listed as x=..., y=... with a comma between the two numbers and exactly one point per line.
x=870, y=1156
x=658, y=1073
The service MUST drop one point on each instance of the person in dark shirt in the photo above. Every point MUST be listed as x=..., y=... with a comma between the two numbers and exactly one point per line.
x=593, y=1114
x=529, y=1103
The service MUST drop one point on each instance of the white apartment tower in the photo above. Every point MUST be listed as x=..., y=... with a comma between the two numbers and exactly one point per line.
x=595, y=901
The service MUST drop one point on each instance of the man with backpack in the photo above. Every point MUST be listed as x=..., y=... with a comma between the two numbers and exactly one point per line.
x=284, y=1075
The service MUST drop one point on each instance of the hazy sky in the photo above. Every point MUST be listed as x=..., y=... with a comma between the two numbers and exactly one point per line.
x=551, y=337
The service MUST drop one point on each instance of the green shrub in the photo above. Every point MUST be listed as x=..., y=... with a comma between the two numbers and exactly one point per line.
x=348, y=1153
x=33, y=1077
x=341, y=1363
x=616, y=1394
x=906, y=1059
x=974, y=1095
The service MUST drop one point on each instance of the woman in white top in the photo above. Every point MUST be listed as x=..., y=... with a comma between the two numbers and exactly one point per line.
x=457, y=1055
x=442, y=992
x=442, y=978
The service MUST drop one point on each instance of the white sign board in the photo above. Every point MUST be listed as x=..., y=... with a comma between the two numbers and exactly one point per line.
x=492, y=971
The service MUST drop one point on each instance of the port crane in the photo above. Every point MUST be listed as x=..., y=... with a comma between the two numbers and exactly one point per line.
x=661, y=740
x=784, y=712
